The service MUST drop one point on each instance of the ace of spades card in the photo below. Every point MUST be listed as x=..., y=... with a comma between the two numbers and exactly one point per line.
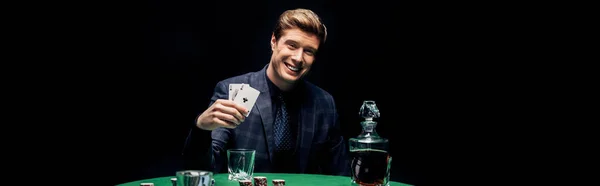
x=233, y=90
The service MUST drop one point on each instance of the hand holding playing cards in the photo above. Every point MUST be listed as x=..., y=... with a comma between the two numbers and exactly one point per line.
x=222, y=113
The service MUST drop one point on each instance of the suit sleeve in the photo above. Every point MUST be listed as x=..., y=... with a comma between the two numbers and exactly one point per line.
x=220, y=136
x=197, y=152
x=337, y=162
x=202, y=151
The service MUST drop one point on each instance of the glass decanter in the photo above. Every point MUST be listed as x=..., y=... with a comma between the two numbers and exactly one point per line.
x=371, y=161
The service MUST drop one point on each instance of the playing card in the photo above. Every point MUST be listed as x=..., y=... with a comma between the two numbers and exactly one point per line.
x=233, y=89
x=246, y=96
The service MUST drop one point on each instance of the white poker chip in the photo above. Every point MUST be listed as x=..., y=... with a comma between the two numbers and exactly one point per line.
x=146, y=184
x=173, y=179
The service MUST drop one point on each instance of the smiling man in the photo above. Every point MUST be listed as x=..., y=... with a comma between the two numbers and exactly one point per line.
x=293, y=126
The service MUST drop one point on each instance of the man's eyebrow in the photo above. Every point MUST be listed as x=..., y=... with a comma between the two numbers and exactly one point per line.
x=290, y=41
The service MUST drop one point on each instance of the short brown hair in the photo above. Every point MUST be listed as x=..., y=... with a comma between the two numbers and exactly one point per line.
x=303, y=19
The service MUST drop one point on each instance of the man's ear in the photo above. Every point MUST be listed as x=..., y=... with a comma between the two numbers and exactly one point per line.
x=273, y=42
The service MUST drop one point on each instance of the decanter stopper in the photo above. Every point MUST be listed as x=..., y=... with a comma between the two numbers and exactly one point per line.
x=369, y=110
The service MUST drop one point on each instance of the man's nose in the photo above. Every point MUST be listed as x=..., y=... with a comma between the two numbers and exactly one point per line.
x=297, y=55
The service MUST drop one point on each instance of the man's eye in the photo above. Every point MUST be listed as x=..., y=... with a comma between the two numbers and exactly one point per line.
x=311, y=53
x=292, y=45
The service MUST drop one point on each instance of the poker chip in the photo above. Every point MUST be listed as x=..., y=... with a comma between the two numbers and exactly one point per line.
x=146, y=184
x=278, y=182
x=174, y=181
x=245, y=182
x=260, y=181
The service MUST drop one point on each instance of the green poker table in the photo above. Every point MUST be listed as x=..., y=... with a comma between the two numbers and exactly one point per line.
x=290, y=180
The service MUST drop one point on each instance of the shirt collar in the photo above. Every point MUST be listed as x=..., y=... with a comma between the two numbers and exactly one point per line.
x=275, y=91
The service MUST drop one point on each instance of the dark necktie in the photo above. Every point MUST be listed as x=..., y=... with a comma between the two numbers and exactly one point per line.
x=283, y=132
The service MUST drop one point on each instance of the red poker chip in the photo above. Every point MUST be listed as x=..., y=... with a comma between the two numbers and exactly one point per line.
x=245, y=183
x=278, y=182
x=260, y=181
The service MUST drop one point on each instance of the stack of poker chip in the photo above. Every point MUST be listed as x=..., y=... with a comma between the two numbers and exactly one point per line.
x=146, y=184
x=278, y=182
x=245, y=182
x=260, y=181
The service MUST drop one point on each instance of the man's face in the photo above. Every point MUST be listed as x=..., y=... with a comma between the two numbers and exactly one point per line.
x=293, y=54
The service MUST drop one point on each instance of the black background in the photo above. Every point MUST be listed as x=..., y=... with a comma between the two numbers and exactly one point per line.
x=444, y=77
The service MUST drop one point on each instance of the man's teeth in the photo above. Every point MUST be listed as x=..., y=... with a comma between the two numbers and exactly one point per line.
x=292, y=68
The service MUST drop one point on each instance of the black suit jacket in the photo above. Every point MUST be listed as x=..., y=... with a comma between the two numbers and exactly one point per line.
x=321, y=149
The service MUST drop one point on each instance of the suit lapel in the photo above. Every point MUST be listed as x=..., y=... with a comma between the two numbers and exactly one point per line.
x=266, y=114
x=306, y=126
x=264, y=108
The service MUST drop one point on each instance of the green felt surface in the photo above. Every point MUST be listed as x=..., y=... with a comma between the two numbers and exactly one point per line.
x=290, y=180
